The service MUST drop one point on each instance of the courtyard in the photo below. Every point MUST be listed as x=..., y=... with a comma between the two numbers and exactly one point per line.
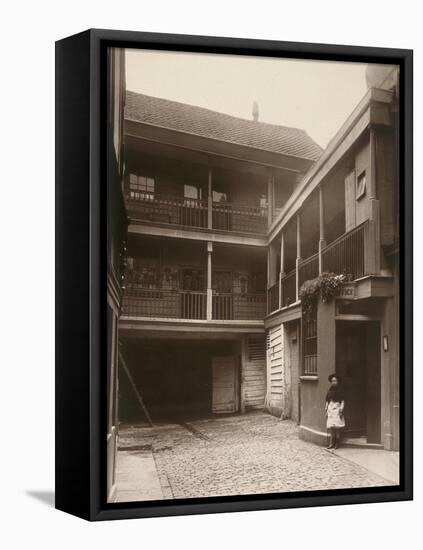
x=232, y=455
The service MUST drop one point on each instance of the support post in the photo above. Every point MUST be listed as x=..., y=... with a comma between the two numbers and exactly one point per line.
x=298, y=259
x=270, y=197
x=282, y=271
x=322, y=238
x=210, y=200
x=372, y=235
x=209, y=312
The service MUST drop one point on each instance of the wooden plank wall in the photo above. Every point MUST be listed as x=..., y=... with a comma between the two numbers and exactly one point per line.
x=253, y=372
x=275, y=370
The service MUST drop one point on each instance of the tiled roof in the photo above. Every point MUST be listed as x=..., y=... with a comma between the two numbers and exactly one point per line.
x=211, y=124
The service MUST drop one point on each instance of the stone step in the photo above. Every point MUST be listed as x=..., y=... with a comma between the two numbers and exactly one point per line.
x=360, y=442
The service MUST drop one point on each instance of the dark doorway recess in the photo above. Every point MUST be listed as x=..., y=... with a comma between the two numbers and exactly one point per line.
x=358, y=367
x=174, y=378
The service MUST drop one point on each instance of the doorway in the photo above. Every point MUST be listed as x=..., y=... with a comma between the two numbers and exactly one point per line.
x=358, y=367
x=224, y=384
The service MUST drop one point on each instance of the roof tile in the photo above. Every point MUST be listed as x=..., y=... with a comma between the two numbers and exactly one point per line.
x=211, y=124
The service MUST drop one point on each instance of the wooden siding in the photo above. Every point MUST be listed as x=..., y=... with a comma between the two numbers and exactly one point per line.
x=275, y=370
x=253, y=372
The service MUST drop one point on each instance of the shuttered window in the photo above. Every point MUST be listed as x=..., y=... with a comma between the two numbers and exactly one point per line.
x=256, y=348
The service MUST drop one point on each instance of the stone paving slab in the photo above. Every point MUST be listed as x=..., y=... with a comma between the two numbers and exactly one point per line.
x=241, y=455
x=381, y=462
x=136, y=477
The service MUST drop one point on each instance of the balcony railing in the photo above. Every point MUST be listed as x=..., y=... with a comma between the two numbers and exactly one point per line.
x=193, y=304
x=249, y=306
x=346, y=255
x=245, y=219
x=308, y=269
x=273, y=298
x=181, y=304
x=289, y=288
x=222, y=306
x=167, y=209
x=194, y=213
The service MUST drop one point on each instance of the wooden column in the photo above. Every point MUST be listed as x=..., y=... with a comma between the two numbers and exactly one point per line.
x=270, y=199
x=322, y=238
x=372, y=168
x=282, y=271
x=210, y=200
x=209, y=315
x=298, y=259
x=372, y=238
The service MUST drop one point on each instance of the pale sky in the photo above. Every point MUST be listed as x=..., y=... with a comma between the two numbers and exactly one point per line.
x=316, y=96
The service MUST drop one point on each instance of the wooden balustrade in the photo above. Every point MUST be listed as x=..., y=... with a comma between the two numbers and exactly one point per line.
x=289, y=289
x=143, y=302
x=245, y=219
x=193, y=304
x=273, y=298
x=167, y=209
x=249, y=306
x=181, y=304
x=346, y=254
x=308, y=269
x=222, y=306
x=194, y=212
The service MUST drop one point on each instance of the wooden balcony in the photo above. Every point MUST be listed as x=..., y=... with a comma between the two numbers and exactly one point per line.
x=273, y=298
x=181, y=304
x=308, y=269
x=167, y=209
x=346, y=255
x=180, y=211
x=242, y=219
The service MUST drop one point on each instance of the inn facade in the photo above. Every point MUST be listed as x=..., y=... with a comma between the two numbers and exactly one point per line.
x=224, y=219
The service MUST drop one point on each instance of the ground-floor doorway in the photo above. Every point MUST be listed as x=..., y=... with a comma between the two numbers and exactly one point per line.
x=358, y=365
x=179, y=379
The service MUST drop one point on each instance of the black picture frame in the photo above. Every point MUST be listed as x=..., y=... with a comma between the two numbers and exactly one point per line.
x=81, y=266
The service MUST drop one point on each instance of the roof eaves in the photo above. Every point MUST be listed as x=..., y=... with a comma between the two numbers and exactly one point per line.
x=249, y=147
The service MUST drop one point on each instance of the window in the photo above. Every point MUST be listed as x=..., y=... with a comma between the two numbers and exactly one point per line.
x=310, y=345
x=192, y=192
x=222, y=281
x=141, y=187
x=361, y=185
x=192, y=279
x=219, y=196
x=263, y=201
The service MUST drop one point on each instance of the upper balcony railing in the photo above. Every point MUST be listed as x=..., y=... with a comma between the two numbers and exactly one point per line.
x=183, y=304
x=167, y=209
x=346, y=255
x=194, y=213
x=245, y=219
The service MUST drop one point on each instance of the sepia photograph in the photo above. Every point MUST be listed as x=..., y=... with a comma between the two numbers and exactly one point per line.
x=253, y=275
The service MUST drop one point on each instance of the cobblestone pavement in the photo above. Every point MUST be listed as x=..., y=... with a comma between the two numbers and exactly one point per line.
x=239, y=455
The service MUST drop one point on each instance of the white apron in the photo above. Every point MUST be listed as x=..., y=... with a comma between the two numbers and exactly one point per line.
x=335, y=419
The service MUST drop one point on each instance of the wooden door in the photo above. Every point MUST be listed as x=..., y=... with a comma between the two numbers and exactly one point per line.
x=224, y=372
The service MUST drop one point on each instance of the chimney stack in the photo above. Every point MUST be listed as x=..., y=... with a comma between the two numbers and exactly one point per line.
x=255, y=111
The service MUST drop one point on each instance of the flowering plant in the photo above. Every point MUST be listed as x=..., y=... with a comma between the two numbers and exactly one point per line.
x=325, y=286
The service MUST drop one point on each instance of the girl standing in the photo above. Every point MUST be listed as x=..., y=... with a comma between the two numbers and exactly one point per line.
x=334, y=410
